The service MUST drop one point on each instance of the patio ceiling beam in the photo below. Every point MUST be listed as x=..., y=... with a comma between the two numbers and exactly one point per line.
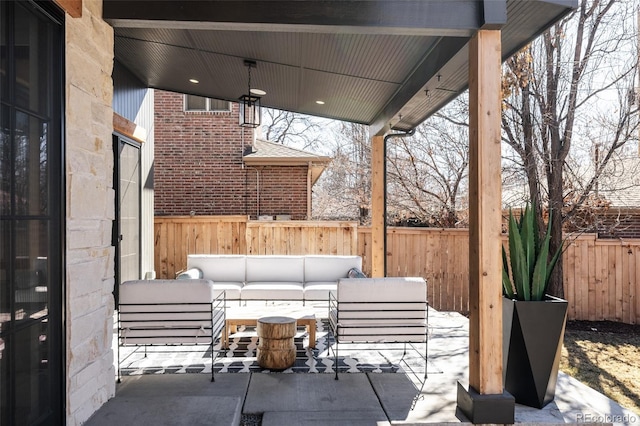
x=450, y=54
x=444, y=52
x=402, y=17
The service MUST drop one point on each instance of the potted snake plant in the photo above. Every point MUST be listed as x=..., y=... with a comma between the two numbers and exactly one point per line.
x=533, y=321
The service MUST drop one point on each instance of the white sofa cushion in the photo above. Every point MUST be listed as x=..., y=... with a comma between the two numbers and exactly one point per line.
x=272, y=290
x=319, y=290
x=227, y=271
x=279, y=269
x=325, y=268
x=227, y=268
x=232, y=289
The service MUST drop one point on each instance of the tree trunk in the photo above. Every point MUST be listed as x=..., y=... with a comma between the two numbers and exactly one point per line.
x=556, y=287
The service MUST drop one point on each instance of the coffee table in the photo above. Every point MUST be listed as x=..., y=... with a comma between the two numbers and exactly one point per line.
x=248, y=316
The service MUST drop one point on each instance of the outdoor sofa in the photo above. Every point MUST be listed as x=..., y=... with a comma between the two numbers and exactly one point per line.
x=273, y=277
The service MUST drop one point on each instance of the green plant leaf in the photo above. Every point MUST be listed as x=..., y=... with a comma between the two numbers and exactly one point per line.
x=506, y=282
x=539, y=280
x=528, y=257
x=528, y=236
x=519, y=267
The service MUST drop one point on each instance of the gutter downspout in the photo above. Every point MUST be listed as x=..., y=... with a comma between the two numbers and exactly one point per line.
x=309, y=165
x=408, y=133
x=257, y=193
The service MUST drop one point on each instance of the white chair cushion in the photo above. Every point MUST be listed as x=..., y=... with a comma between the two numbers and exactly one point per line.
x=168, y=312
x=166, y=291
x=381, y=310
x=388, y=289
x=141, y=329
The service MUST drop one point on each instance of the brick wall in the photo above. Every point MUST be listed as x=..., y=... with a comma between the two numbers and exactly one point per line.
x=198, y=167
x=607, y=222
x=281, y=190
x=617, y=223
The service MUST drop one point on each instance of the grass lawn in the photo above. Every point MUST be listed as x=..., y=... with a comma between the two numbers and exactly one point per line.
x=605, y=356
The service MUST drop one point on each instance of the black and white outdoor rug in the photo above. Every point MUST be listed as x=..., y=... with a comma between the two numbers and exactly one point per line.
x=240, y=357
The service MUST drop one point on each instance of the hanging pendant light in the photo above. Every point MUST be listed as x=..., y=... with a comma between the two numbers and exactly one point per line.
x=250, y=112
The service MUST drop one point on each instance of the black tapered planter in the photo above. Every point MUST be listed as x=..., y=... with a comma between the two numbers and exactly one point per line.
x=533, y=333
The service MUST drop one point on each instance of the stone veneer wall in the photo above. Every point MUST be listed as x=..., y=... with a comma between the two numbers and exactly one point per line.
x=90, y=211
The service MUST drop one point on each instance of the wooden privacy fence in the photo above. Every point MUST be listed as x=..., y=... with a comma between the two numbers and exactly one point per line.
x=175, y=237
x=441, y=256
x=601, y=277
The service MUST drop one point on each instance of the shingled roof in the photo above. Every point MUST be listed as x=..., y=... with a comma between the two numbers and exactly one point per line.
x=620, y=182
x=267, y=153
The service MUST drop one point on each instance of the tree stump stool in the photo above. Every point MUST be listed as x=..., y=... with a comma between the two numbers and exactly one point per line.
x=276, y=349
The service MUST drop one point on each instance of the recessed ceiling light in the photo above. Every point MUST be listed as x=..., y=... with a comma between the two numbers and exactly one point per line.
x=194, y=81
x=320, y=102
x=258, y=92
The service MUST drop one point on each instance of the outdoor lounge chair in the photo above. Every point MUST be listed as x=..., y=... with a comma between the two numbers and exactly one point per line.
x=380, y=311
x=170, y=312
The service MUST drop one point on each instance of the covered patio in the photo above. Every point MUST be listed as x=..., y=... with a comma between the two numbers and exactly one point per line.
x=159, y=393
x=386, y=64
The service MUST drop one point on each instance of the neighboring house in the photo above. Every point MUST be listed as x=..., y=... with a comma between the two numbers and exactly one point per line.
x=613, y=207
x=206, y=164
x=619, y=188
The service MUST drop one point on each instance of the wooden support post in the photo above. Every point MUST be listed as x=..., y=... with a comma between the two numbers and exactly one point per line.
x=485, y=401
x=378, y=250
x=485, y=211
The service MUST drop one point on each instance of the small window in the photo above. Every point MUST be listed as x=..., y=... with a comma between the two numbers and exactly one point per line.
x=199, y=103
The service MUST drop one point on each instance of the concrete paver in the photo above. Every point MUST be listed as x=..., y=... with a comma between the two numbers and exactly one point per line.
x=305, y=399
x=325, y=418
x=310, y=392
x=175, y=400
x=170, y=411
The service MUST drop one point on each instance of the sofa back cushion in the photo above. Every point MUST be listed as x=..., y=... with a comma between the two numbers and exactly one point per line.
x=219, y=267
x=275, y=269
x=329, y=268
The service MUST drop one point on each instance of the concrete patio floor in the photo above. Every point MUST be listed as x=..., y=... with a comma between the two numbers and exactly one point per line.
x=355, y=399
